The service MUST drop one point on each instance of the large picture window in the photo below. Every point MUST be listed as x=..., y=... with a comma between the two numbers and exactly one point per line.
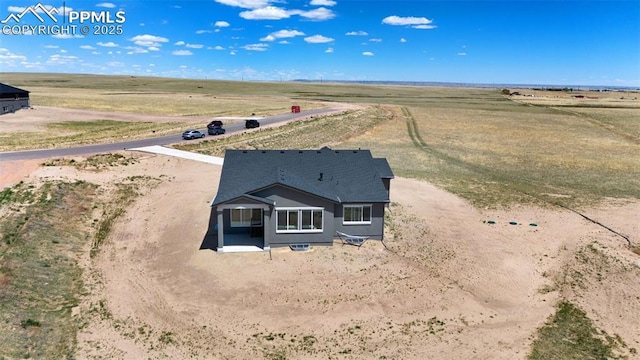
x=357, y=214
x=299, y=220
x=246, y=217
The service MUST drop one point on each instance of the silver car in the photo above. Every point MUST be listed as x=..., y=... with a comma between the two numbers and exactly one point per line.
x=192, y=134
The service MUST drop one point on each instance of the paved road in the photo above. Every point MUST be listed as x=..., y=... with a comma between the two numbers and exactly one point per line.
x=162, y=140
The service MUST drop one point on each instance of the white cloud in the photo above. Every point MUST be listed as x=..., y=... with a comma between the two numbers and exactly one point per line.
x=329, y=50
x=367, y=53
x=318, y=39
x=135, y=50
x=414, y=22
x=375, y=40
x=322, y=3
x=179, y=43
x=218, y=47
x=265, y=13
x=7, y=56
x=462, y=54
x=153, y=48
x=62, y=51
x=221, y=24
x=106, y=5
x=425, y=27
x=149, y=40
x=232, y=52
x=256, y=47
x=95, y=53
x=357, y=33
x=318, y=14
x=403, y=40
x=57, y=59
x=282, y=34
x=283, y=42
x=246, y=4
x=182, y=53
x=107, y=44
x=66, y=36
x=87, y=47
x=51, y=46
x=200, y=32
x=194, y=46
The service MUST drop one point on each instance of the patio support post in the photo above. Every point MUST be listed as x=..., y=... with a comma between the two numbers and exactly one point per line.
x=220, y=229
x=266, y=220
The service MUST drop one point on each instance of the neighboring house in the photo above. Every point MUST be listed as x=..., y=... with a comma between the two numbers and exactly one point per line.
x=12, y=99
x=273, y=198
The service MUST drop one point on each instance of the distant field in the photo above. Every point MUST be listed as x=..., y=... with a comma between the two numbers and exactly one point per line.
x=491, y=149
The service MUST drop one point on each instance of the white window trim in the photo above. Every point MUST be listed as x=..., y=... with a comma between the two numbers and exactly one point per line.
x=244, y=223
x=370, y=206
x=299, y=230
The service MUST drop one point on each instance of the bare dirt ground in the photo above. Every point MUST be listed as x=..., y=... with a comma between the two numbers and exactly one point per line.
x=451, y=285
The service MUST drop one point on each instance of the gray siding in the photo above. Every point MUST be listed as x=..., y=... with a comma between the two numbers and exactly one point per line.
x=374, y=230
x=285, y=197
x=11, y=105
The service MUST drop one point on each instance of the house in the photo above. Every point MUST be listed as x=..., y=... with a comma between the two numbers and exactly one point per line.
x=275, y=198
x=12, y=99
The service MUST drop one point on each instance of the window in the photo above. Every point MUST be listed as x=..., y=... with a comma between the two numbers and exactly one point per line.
x=357, y=214
x=299, y=219
x=246, y=217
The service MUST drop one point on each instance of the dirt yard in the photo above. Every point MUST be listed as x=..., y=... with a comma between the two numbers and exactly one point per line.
x=450, y=286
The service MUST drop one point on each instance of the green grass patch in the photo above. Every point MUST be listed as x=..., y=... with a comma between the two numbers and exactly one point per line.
x=570, y=334
x=40, y=280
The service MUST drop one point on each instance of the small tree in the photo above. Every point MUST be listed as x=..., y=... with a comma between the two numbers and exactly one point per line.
x=505, y=92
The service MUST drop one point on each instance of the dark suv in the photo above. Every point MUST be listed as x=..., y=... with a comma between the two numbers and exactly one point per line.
x=215, y=130
x=214, y=123
x=251, y=123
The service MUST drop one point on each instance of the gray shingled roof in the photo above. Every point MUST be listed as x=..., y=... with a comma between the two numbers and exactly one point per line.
x=8, y=89
x=347, y=175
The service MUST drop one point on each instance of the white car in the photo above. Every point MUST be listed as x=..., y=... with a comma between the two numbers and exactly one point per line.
x=192, y=134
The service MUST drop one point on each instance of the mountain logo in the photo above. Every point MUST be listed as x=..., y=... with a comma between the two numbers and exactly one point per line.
x=35, y=10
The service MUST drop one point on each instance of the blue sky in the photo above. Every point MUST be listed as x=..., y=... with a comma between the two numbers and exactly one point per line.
x=592, y=43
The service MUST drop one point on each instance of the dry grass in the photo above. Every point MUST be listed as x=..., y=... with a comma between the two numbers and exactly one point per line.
x=491, y=149
x=164, y=103
x=74, y=133
x=307, y=134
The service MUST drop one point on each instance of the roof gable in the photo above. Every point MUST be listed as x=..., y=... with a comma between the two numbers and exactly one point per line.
x=337, y=175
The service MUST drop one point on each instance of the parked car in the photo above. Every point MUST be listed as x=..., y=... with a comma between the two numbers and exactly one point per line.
x=214, y=123
x=216, y=130
x=192, y=134
x=251, y=123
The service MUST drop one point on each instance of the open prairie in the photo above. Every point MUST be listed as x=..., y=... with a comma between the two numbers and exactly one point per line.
x=100, y=260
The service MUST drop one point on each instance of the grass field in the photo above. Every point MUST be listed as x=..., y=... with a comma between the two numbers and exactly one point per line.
x=40, y=280
x=490, y=149
x=482, y=146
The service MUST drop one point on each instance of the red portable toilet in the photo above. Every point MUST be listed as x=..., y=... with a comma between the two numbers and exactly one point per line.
x=295, y=109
